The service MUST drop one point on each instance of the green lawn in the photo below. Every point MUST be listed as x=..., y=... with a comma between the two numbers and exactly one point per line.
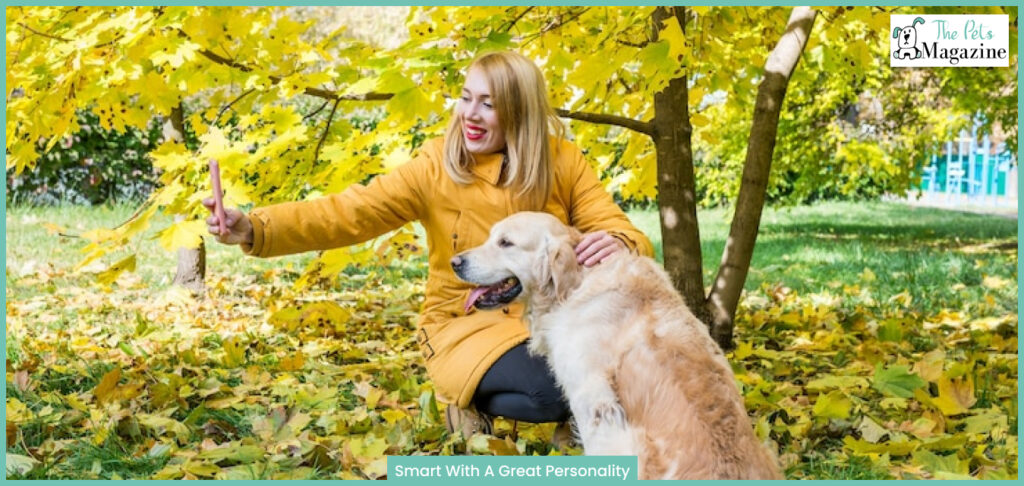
x=940, y=257
x=924, y=251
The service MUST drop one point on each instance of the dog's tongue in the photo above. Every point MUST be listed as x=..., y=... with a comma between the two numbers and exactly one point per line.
x=474, y=295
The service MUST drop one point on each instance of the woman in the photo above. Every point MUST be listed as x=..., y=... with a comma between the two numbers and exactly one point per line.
x=502, y=153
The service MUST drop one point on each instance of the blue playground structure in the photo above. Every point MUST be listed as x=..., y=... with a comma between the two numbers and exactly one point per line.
x=977, y=172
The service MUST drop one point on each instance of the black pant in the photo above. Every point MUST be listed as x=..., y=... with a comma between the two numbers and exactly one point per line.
x=520, y=387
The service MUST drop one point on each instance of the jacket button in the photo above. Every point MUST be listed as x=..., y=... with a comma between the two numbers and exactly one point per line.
x=455, y=236
x=504, y=309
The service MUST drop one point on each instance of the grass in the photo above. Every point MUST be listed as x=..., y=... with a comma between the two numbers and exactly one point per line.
x=939, y=257
x=855, y=468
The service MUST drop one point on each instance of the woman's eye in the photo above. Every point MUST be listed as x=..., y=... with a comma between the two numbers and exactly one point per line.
x=488, y=105
x=464, y=98
x=503, y=243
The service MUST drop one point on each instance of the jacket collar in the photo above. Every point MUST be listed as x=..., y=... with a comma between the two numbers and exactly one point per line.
x=488, y=166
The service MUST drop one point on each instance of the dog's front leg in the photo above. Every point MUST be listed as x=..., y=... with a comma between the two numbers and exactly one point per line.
x=600, y=419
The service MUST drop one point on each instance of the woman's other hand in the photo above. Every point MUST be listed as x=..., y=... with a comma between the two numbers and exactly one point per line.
x=595, y=247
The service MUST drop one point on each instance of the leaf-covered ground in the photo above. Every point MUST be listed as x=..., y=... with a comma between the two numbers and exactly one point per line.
x=867, y=373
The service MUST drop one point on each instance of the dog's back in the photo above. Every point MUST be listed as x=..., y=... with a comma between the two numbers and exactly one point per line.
x=673, y=382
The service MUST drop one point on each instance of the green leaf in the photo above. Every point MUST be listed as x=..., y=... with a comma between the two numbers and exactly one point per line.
x=891, y=330
x=827, y=382
x=986, y=421
x=428, y=403
x=935, y=463
x=233, y=451
x=893, y=448
x=945, y=442
x=896, y=381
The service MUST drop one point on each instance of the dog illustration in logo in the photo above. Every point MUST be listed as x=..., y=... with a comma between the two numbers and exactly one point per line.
x=907, y=41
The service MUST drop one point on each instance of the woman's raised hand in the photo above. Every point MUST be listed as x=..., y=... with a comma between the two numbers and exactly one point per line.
x=239, y=228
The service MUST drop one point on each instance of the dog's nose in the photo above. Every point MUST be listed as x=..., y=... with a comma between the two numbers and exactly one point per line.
x=457, y=263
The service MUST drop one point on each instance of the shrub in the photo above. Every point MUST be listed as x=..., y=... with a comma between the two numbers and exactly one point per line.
x=93, y=166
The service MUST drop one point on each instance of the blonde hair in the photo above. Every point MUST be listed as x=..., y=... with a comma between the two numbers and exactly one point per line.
x=519, y=96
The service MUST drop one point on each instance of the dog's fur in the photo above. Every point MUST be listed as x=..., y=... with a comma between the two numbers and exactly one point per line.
x=640, y=372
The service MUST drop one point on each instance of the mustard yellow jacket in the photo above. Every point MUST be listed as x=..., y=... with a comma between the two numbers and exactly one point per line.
x=458, y=346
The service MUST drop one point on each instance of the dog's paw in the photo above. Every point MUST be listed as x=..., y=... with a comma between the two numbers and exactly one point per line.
x=608, y=414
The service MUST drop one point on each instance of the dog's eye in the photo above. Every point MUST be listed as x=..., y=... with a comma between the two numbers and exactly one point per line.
x=503, y=243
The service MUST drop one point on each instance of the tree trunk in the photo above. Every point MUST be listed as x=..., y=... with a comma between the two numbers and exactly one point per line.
x=739, y=247
x=677, y=185
x=191, y=271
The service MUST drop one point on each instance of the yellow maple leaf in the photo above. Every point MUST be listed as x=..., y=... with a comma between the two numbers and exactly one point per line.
x=956, y=396
x=109, y=275
x=834, y=405
x=392, y=415
x=183, y=234
x=234, y=353
x=293, y=362
x=105, y=389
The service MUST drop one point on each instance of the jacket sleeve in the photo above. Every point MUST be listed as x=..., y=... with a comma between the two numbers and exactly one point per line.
x=352, y=216
x=593, y=209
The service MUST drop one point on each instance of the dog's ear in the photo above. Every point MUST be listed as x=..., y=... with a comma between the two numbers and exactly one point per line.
x=558, y=272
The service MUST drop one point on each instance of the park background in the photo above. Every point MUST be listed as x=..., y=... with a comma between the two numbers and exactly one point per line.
x=871, y=338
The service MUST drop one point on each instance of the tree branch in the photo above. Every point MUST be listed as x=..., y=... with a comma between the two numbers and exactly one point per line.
x=318, y=92
x=44, y=34
x=228, y=106
x=512, y=23
x=638, y=45
x=318, y=110
x=330, y=118
x=555, y=26
x=635, y=125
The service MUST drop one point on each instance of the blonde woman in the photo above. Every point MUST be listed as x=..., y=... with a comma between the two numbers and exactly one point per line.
x=503, y=152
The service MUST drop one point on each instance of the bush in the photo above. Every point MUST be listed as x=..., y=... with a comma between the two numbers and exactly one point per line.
x=93, y=166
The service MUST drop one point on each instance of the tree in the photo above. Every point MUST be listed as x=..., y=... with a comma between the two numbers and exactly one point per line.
x=655, y=95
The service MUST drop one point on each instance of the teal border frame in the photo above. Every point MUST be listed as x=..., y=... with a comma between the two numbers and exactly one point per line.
x=965, y=3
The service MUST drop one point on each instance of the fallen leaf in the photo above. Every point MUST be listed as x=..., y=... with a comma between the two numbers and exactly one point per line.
x=896, y=381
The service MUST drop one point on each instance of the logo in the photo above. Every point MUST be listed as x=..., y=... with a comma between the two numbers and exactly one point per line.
x=949, y=41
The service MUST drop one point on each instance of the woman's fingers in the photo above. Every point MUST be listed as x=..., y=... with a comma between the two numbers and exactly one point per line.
x=601, y=255
x=586, y=247
x=595, y=247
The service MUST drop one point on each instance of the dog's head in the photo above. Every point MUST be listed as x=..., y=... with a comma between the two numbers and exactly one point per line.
x=526, y=252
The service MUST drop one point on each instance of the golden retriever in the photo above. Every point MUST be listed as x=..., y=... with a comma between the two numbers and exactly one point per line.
x=640, y=372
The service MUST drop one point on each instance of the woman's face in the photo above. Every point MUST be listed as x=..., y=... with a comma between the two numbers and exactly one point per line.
x=480, y=126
